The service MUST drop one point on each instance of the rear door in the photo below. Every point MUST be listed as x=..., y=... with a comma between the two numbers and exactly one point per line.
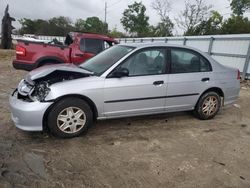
x=143, y=91
x=190, y=75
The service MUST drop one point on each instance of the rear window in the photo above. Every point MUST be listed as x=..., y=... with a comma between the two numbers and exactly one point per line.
x=94, y=46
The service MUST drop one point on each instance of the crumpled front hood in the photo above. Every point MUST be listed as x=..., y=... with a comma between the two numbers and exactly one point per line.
x=46, y=70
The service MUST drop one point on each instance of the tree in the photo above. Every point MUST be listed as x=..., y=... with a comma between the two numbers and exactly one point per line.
x=165, y=27
x=42, y=27
x=79, y=25
x=116, y=34
x=236, y=25
x=60, y=26
x=162, y=7
x=210, y=27
x=193, y=15
x=27, y=26
x=91, y=25
x=162, y=29
x=95, y=25
x=134, y=20
x=55, y=26
x=239, y=7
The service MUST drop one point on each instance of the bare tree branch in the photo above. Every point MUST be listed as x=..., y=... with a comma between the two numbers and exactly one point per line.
x=193, y=14
x=162, y=7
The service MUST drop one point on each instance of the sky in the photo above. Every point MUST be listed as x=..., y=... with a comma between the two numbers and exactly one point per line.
x=46, y=9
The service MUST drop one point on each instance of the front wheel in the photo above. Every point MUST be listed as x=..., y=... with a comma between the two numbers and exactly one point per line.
x=70, y=117
x=208, y=105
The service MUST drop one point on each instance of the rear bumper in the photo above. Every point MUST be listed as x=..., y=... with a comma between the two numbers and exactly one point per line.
x=23, y=66
x=28, y=116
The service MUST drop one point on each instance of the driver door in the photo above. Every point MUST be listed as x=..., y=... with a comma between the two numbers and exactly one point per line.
x=143, y=91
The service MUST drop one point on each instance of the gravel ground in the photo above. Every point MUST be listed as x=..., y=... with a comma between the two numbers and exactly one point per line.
x=170, y=150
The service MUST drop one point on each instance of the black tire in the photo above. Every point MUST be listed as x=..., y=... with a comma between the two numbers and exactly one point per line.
x=63, y=106
x=204, y=114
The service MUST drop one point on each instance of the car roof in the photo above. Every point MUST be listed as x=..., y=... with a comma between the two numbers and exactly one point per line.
x=157, y=44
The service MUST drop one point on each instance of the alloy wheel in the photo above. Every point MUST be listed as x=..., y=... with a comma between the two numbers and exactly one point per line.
x=71, y=120
x=209, y=106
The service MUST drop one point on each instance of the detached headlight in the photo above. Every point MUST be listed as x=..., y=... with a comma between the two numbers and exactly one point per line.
x=25, y=88
x=41, y=91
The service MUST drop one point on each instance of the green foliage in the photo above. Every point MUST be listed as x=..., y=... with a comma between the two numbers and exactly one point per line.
x=116, y=34
x=55, y=26
x=194, y=20
x=61, y=26
x=91, y=25
x=236, y=25
x=95, y=25
x=162, y=29
x=210, y=27
x=80, y=25
x=165, y=26
x=194, y=13
x=135, y=21
x=239, y=7
x=28, y=26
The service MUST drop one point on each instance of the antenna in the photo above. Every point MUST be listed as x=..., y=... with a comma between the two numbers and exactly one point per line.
x=105, y=18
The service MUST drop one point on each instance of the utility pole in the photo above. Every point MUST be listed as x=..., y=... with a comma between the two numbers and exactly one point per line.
x=105, y=18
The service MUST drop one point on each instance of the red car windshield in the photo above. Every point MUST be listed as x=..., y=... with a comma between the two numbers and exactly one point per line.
x=104, y=60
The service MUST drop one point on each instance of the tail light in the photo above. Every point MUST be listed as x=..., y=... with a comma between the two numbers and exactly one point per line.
x=20, y=50
x=238, y=75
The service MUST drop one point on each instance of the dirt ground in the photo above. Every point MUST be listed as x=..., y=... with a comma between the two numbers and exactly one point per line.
x=170, y=150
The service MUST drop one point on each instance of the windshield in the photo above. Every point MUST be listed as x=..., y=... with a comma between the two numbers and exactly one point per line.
x=101, y=62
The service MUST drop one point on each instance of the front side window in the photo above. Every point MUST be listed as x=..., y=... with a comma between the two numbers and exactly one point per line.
x=94, y=46
x=186, y=61
x=146, y=62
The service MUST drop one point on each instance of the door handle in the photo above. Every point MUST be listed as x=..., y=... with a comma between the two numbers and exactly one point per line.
x=205, y=79
x=79, y=55
x=157, y=83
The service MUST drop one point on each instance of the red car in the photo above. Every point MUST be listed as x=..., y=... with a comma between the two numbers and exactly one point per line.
x=77, y=48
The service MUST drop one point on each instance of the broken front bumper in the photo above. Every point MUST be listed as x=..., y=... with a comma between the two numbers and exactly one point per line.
x=27, y=115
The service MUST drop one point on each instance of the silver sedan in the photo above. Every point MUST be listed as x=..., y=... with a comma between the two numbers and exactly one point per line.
x=123, y=81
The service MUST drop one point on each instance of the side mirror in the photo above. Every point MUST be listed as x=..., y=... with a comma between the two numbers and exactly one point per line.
x=121, y=72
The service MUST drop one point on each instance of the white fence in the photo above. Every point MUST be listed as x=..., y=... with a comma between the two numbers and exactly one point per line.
x=230, y=50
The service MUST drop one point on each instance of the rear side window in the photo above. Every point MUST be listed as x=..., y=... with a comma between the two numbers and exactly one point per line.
x=94, y=46
x=186, y=61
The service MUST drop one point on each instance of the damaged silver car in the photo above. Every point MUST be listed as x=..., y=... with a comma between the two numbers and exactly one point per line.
x=123, y=81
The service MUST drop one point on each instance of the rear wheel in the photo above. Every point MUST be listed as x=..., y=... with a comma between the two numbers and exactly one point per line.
x=70, y=117
x=208, y=105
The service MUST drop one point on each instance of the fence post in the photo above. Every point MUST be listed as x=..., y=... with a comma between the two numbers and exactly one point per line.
x=166, y=40
x=246, y=63
x=210, y=47
x=184, y=41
